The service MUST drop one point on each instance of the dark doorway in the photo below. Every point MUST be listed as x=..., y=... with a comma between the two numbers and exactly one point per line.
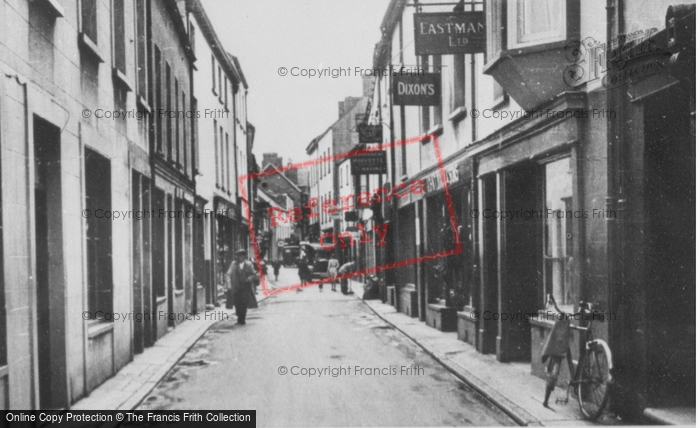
x=487, y=298
x=50, y=284
x=519, y=279
x=670, y=250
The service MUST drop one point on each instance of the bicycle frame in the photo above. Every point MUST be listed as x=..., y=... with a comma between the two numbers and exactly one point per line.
x=587, y=343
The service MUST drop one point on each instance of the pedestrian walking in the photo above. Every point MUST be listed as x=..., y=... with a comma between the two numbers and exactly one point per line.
x=333, y=265
x=304, y=272
x=241, y=288
x=276, y=268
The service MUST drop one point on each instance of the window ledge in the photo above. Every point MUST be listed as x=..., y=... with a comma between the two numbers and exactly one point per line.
x=161, y=299
x=500, y=101
x=435, y=130
x=122, y=79
x=143, y=104
x=98, y=328
x=90, y=47
x=55, y=8
x=458, y=114
x=179, y=292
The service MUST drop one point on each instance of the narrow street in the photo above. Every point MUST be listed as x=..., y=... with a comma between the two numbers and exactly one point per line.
x=238, y=367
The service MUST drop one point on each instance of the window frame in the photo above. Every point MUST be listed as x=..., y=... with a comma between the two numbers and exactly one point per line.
x=512, y=27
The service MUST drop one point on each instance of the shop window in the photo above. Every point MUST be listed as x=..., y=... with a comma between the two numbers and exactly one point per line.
x=88, y=15
x=99, y=234
x=532, y=22
x=119, y=37
x=559, y=232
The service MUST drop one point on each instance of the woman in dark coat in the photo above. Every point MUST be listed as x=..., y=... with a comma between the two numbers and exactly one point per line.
x=304, y=272
x=242, y=282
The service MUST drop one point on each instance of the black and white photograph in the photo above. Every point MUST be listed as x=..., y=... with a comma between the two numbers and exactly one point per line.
x=359, y=213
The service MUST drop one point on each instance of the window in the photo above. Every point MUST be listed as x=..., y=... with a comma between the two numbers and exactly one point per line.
x=88, y=15
x=223, y=159
x=216, y=154
x=98, y=195
x=119, y=39
x=226, y=93
x=183, y=117
x=177, y=122
x=192, y=39
x=195, y=137
x=437, y=110
x=228, y=166
x=559, y=232
x=159, y=97
x=220, y=86
x=532, y=22
x=459, y=70
x=213, y=74
x=168, y=106
x=141, y=62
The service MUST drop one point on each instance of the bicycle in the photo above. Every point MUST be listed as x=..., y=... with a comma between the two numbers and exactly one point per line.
x=591, y=375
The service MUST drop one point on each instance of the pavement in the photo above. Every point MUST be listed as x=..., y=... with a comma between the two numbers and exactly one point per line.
x=510, y=386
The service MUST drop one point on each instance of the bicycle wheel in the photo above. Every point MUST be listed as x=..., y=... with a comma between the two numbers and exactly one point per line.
x=594, y=382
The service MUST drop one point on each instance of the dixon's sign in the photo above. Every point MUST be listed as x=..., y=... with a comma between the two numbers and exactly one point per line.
x=449, y=33
x=417, y=90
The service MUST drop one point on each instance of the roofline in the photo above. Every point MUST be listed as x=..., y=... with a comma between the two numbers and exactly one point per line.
x=277, y=171
x=197, y=9
x=239, y=69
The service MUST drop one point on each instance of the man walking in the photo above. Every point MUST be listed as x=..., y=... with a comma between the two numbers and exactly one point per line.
x=242, y=282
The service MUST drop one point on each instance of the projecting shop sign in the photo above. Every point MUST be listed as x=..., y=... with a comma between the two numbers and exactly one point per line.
x=448, y=33
x=368, y=163
x=369, y=134
x=417, y=90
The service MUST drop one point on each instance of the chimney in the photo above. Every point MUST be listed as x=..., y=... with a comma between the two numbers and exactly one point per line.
x=341, y=108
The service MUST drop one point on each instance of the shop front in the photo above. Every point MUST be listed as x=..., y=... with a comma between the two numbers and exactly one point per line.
x=532, y=215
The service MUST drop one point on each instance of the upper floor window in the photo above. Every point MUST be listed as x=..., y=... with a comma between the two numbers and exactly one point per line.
x=141, y=51
x=532, y=22
x=192, y=39
x=213, y=74
x=88, y=19
x=119, y=36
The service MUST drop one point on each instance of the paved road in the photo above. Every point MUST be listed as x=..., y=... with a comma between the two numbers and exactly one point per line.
x=239, y=367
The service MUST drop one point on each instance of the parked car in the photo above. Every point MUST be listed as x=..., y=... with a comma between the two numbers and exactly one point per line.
x=318, y=259
x=290, y=254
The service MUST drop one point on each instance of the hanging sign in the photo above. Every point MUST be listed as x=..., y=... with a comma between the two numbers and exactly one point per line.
x=368, y=163
x=421, y=90
x=369, y=134
x=449, y=33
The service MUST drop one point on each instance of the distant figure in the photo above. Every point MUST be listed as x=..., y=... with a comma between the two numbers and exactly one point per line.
x=346, y=268
x=304, y=272
x=242, y=282
x=276, y=268
x=333, y=265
